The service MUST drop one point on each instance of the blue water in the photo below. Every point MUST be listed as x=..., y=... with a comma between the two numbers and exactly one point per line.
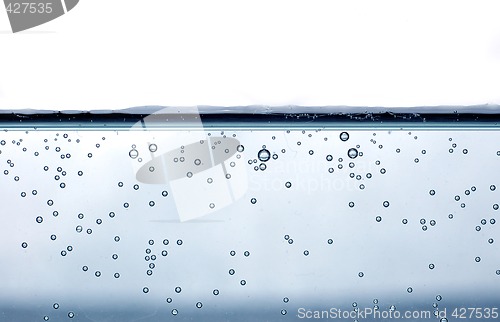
x=267, y=218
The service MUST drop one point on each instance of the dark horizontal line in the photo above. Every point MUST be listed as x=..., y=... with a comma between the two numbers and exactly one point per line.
x=206, y=118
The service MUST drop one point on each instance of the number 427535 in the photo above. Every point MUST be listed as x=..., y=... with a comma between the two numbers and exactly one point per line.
x=475, y=312
x=29, y=7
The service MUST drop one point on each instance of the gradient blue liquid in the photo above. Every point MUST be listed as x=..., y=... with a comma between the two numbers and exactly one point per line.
x=406, y=223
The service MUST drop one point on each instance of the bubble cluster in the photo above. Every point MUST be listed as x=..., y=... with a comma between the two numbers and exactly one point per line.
x=111, y=212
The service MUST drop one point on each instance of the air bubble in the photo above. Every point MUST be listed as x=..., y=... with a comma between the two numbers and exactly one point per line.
x=352, y=153
x=153, y=147
x=386, y=203
x=492, y=187
x=404, y=221
x=306, y=253
x=477, y=259
x=330, y=241
x=24, y=245
x=117, y=238
x=133, y=153
x=432, y=192
x=178, y=289
x=116, y=275
x=231, y=271
x=378, y=219
x=288, y=184
x=215, y=292
x=71, y=315
x=175, y=312
x=85, y=268
x=361, y=274
x=240, y=148
x=431, y=266
x=344, y=136
x=409, y=289
x=97, y=274
x=264, y=155
x=55, y=306
x=283, y=312
x=39, y=219
x=243, y=282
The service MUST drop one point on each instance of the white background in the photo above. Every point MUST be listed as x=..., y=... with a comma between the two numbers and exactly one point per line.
x=118, y=53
